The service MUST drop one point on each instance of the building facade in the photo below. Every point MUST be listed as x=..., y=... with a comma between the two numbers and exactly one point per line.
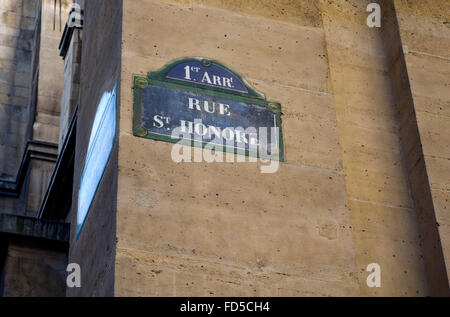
x=362, y=181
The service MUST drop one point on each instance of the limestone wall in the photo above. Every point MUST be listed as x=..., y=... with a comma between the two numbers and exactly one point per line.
x=382, y=212
x=17, y=24
x=33, y=270
x=198, y=229
x=425, y=61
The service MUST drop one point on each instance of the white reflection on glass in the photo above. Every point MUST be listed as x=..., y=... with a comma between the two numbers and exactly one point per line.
x=101, y=142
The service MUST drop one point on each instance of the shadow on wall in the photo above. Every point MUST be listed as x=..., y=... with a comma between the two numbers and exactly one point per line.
x=16, y=54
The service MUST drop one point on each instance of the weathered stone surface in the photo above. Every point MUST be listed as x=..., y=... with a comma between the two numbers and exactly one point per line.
x=388, y=236
x=424, y=25
x=159, y=275
x=16, y=35
x=267, y=234
x=373, y=162
x=259, y=48
x=305, y=13
x=34, y=271
x=424, y=33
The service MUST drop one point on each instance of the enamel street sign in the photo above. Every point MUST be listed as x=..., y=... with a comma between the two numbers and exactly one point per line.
x=200, y=102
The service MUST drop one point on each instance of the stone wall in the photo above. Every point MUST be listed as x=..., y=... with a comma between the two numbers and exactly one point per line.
x=419, y=66
x=224, y=229
x=382, y=212
x=17, y=25
x=365, y=126
x=34, y=270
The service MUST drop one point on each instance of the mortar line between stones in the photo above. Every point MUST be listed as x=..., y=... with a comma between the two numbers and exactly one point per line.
x=442, y=190
x=437, y=157
x=256, y=17
x=428, y=54
x=317, y=92
x=379, y=204
x=239, y=267
x=434, y=114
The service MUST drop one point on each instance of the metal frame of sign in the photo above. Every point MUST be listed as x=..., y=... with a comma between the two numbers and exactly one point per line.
x=159, y=78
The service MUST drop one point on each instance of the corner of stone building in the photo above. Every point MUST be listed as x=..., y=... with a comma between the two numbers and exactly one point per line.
x=394, y=36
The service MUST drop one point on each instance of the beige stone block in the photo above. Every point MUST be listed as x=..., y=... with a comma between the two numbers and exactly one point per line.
x=402, y=272
x=444, y=234
x=48, y=28
x=312, y=106
x=204, y=210
x=441, y=202
x=10, y=5
x=371, y=220
x=255, y=47
x=49, y=106
x=437, y=169
x=372, y=177
x=45, y=132
x=429, y=76
x=311, y=143
x=372, y=160
x=13, y=20
x=24, y=7
x=432, y=104
x=6, y=89
x=304, y=13
x=348, y=36
x=47, y=119
x=367, y=112
x=309, y=125
x=433, y=9
x=373, y=189
x=12, y=100
x=146, y=274
x=52, y=67
x=435, y=134
x=367, y=81
x=389, y=237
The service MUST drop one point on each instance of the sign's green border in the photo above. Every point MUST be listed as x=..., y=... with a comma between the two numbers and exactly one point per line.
x=159, y=79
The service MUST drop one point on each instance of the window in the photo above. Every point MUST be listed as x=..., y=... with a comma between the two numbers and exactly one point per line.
x=101, y=143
